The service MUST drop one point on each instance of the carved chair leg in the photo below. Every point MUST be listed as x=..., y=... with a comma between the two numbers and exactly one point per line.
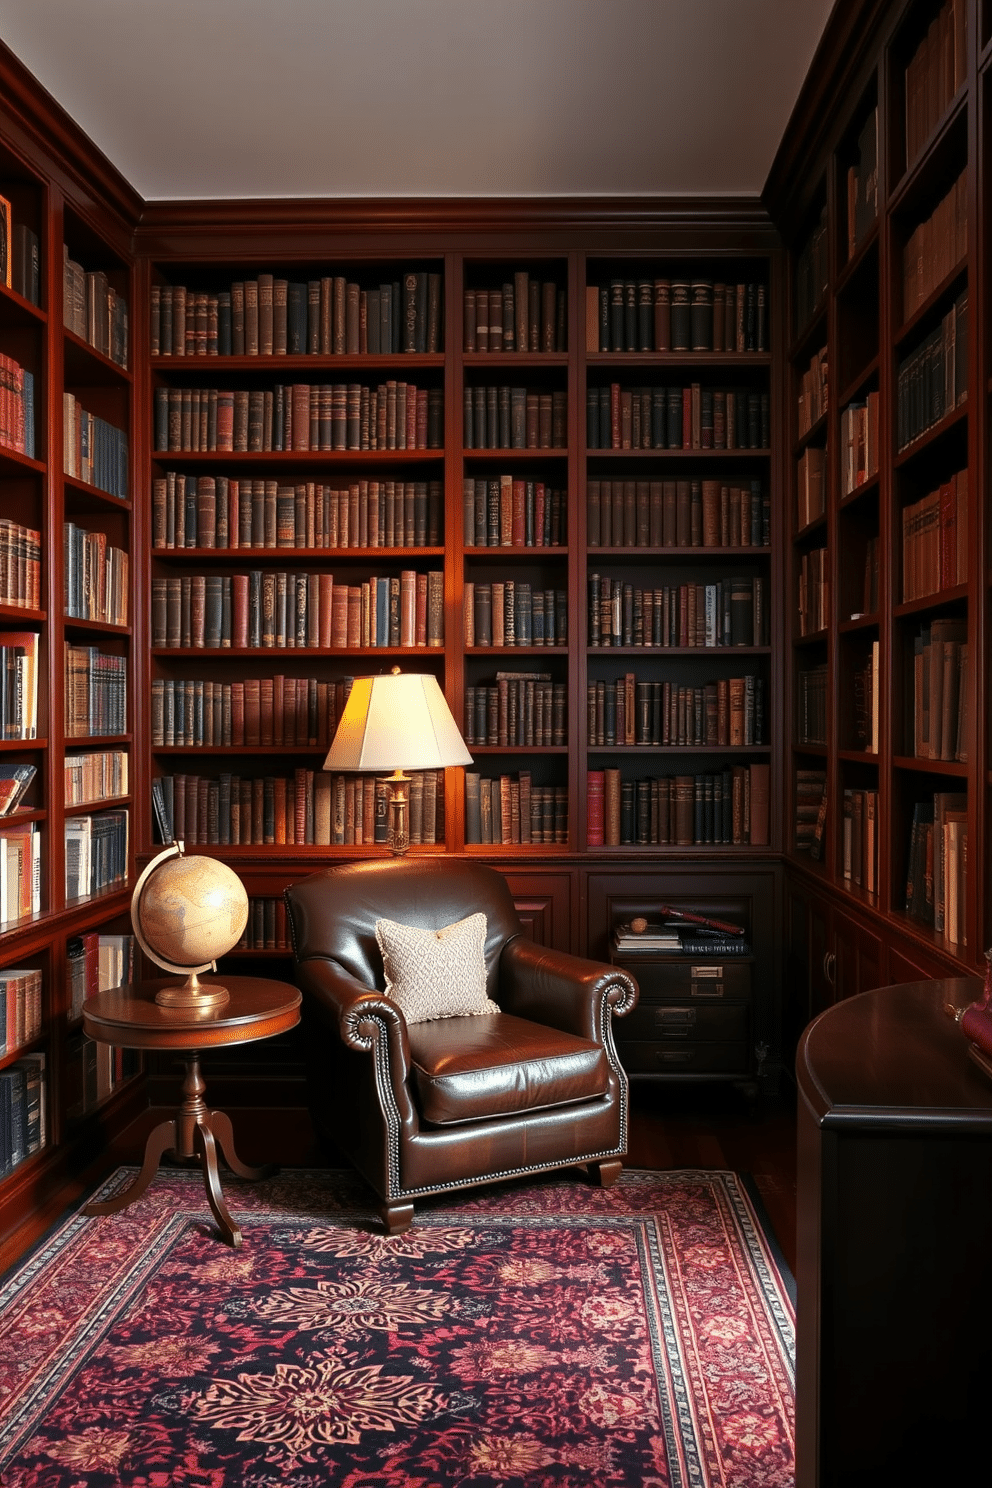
x=397, y=1217
x=606, y=1173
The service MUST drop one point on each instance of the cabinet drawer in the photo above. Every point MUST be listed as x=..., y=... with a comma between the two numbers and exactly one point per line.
x=671, y=1057
x=685, y=978
x=706, y=1022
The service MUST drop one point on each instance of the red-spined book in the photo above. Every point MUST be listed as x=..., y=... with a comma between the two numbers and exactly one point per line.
x=518, y=532
x=595, y=807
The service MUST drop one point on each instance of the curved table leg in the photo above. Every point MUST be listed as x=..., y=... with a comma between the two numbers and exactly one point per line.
x=229, y=1230
x=220, y=1124
x=159, y=1141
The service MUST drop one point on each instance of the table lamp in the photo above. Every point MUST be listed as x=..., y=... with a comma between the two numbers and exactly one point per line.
x=396, y=722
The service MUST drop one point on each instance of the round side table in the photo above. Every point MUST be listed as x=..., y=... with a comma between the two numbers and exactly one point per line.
x=129, y=1017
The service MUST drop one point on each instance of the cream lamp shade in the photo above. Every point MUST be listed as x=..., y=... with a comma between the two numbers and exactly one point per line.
x=394, y=723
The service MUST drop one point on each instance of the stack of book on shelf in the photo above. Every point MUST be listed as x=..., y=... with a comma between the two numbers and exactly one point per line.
x=16, y=407
x=95, y=853
x=19, y=684
x=266, y=928
x=15, y=781
x=810, y=811
x=680, y=932
x=523, y=315
x=859, y=839
x=20, y=872
x=934, y=74
x=20, y=565
x=812, y=273
x=93, y=309
x=935, y=539
x=20, y=1007
x=513, y=418
x=937, y=864
x=22, y=1110
x=96, y=962
x=938, y=726
x=933, y=379
x=813, y=392
x=19, y=257
x=936, y=247
x=862, y=185
x=859, y=443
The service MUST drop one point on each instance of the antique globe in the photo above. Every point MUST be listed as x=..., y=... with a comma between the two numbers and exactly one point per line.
x=187, y=911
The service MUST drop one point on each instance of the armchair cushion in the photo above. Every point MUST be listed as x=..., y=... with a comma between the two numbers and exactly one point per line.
x=433, y=974
x=473, y=1069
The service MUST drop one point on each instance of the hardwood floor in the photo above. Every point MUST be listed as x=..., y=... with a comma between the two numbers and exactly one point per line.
x=671, y=1127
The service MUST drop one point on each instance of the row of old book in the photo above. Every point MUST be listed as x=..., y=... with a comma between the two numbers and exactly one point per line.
x=20, y=872
x=934, y=73
x=865, y=712
x=507, y=417
x=305, y=808
x=23, y=1110
x=937, y=864
x=297, y=611
x=511, y=809
x=859, y=838
x=859, y=443
x=95, y=576
x=721, y=806
x=509, y=511
x=206, y=511
x=727, y=612
x=94, y=451
x=299, y=417
x=513, y=613
x=729, y=712
x=17, y=414
x=814, y=591
x=935, y=539
x=97, y=961
x=935, y=247
x=20, y=1007
x=96, y=775
x=20, y=565
x=20, y=263
x=862, y=185
x=229, y=513
x=696, y=417
x=19, y=684
x=813, y=397
x=684, y=315
x=811, y=485
x=267, y=927
x=677, y=514
x=521, y=709
x=938, y=727
x=95, y=853
x=93, y=309
x=811, y=705
x=271, y=316
x=812, y=274
x=809, y=810
x=95, y=692
x=522, y=314
x=933, y=379
x=259, y=711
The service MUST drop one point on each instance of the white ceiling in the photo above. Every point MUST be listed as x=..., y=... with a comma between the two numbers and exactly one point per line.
x=360, y=98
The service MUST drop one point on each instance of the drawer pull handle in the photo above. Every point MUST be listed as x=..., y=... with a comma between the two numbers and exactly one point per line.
x=681, y=1056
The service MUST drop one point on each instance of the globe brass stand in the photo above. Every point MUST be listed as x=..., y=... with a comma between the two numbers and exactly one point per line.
x=191, y=996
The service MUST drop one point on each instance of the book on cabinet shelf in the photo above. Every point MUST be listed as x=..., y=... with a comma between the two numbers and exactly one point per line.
x=935, y=247
x=934, y=74
x=20, y=872
x=95, y=854
x=19, y=684
x=95, y=692
x=513, y=613
x=15, y=782
x=504, y=417
x=511, y=810
x=812, y=402
x=512, y=511
x=811, y=705
x=937, y=865
x=938, y=696
x=814, y=592
x=306, y=808
x=95, y=579
x=526, y=709
x=267, y=928
x=299, y=418
x=859, y=839
x=271, y=316
x=229, y=513
x=729, y=713
x=866, y=703
x=858, y=443
x=811, y=274
x=727, y=613
x=696, y=417
x=94, y=450
x=523, y=314
x=677, y=514
x=933, y=379
x=262, y=712
x=23, y=1111
x=20, y=565
x=676, y=314
x=273, y=609
x=935, y=539
x=17, y=407
x=20, y=1007
x=810, y=810
x=92, y=777
x=93, y=310
x=727, y=806
x=862, y=185
x=97, y=961
x=811, y=491
x=19, y=256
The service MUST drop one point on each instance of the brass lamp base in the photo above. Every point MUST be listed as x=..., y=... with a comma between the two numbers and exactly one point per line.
x=399, y=829
x=192, y=996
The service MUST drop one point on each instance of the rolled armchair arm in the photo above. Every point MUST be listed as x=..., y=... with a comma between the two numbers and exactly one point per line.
x=361, y=1015
x=562, y=991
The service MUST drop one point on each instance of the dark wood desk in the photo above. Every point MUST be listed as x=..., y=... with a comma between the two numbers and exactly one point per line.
x=129, y=1017
x=894, y=1227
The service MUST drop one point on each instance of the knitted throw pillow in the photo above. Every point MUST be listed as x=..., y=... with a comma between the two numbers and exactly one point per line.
x=436, y=973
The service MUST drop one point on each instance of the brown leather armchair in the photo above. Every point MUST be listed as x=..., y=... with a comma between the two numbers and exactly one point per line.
x=425, y=1107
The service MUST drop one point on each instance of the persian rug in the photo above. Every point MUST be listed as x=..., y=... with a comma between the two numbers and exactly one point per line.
x=543, y=1333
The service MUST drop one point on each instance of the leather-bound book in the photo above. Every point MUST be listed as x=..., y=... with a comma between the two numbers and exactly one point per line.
x=595, y=808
